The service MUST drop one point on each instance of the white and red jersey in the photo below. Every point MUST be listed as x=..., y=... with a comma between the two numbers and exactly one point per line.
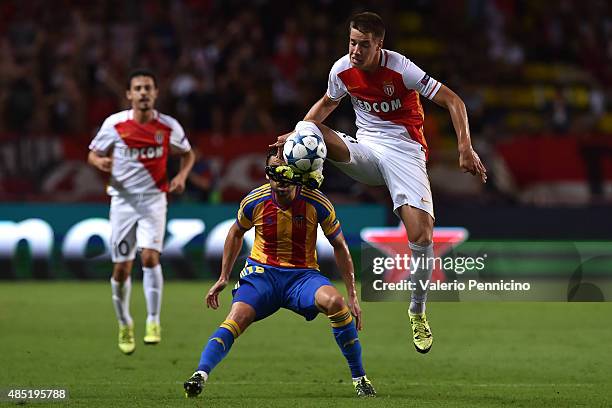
x=139, y=151
x=386, y=101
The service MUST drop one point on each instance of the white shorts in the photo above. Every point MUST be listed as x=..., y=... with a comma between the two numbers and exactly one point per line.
x=137, y=221
x=396, y=163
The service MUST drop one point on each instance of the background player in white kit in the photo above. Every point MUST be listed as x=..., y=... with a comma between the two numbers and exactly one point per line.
x=133, y=146
x=390, y=148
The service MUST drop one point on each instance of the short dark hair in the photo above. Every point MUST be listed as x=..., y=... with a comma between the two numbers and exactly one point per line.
x=272, y=152
x=368, y=22
x=140, y=72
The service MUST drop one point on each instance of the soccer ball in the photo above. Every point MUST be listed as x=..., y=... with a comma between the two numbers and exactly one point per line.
x=305, y=151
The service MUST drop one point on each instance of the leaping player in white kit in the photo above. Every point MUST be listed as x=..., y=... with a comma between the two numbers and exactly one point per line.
x=133, y=146
x=390, y=147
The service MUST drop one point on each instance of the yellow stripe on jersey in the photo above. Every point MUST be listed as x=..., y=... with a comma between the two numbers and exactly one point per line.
x=258, y=190
x=243, y=220
x=321, y=196
x=319, y=199
x=250, y=198
x=330, y=223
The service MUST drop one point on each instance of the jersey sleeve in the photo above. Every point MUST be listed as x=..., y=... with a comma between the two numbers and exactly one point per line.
x=178, y=140
x=415, y=78
x=336, y=89
x=331, y=226
x=244, y=219
x=327, y=219
x=105, y=139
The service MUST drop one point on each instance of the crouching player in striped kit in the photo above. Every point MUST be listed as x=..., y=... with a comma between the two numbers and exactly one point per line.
x=282, y=271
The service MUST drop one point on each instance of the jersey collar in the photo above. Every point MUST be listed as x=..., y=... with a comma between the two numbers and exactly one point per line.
x=130, y=114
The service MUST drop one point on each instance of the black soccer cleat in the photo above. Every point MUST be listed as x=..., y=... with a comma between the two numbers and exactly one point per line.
x=364, y=387
x=194, y=385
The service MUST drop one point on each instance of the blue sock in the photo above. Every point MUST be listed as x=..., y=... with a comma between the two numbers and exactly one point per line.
x=346, y=336
x=218, y=345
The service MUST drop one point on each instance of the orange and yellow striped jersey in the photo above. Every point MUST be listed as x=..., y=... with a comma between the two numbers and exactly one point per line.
x=287, y=237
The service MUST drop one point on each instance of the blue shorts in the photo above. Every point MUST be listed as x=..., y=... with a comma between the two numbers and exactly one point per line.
x=268, y=288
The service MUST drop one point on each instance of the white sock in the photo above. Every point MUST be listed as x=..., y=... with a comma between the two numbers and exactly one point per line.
x=153, y=284
x=204, y=375
x=121, y=300
x=420, y=275
x=305, y=125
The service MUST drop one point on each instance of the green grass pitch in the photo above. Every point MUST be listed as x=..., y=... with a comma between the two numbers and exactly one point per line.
x=63, y=334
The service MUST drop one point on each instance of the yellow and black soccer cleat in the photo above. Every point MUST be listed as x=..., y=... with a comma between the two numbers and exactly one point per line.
x=152, y=333
x=364, y=387
x=127, y=345
x=313, y=180
x=422, y=336
x=284, y=173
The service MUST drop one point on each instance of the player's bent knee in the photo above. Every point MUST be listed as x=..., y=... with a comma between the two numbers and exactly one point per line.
x=422, y=240
x=243, y=314
x=336, y=304
x=329, y=300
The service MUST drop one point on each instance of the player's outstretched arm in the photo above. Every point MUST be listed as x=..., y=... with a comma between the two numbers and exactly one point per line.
x=231, y=249
x=345, y=264
x=102, y=163
x=321, y=109
x=469, y=160
x=177, y=184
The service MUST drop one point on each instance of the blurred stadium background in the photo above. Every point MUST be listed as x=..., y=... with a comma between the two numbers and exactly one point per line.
x=535, y=77
x=535, y=80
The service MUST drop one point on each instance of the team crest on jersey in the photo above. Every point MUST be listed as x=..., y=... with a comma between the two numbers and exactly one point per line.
x=298, y=221
x=389, y=89
x=159, y=137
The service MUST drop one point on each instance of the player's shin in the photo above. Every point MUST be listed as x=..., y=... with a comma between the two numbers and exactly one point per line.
x=346, y=336
x=121, y=300
x=218, y=345
x=153, y=283
x=422, y=267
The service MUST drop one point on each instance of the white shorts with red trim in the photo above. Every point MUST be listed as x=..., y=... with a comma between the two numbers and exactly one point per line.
x=396, y=163
x=137, y=221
